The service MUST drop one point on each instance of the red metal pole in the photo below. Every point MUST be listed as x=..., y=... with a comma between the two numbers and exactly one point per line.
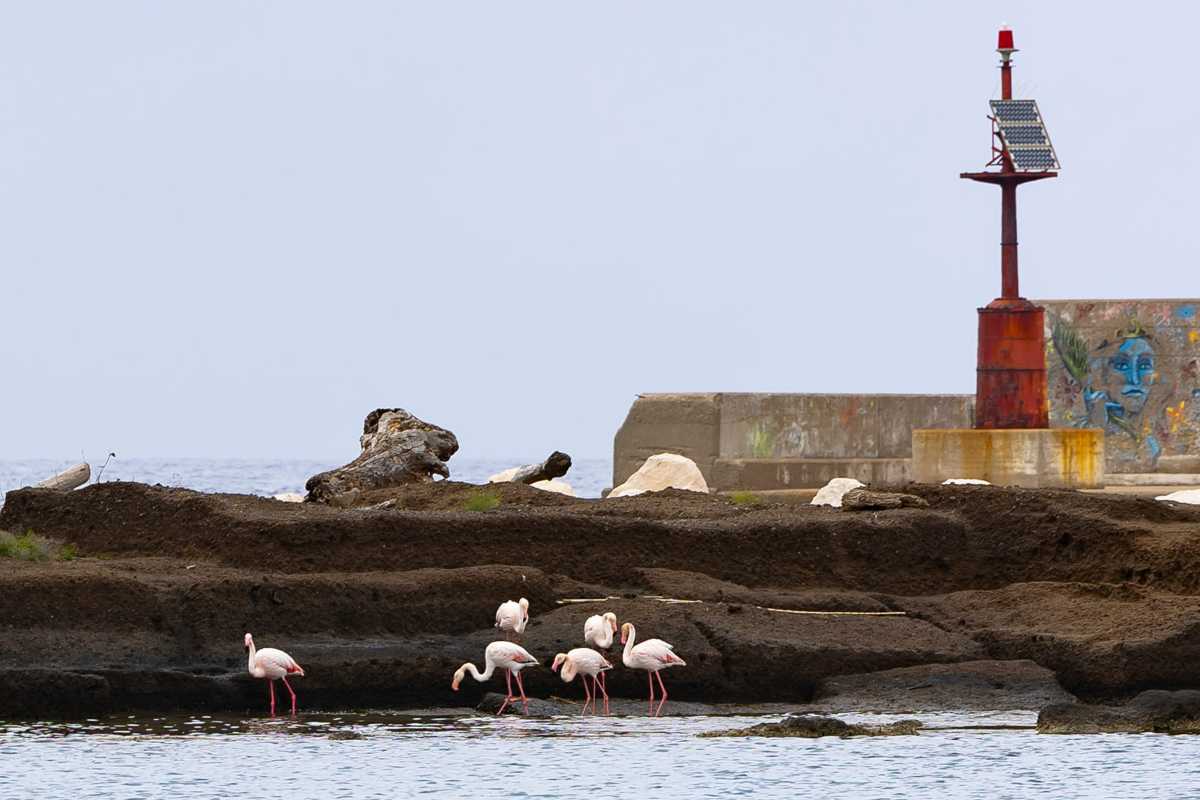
x=1006, y=79
x=1009, y=283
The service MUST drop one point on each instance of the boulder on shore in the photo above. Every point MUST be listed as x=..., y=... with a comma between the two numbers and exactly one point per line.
x=814, y=726
x=1155, y=711
x=831, y=493
x=555, y=485
x=861, y=499
x=397, y=449
x=663, y=471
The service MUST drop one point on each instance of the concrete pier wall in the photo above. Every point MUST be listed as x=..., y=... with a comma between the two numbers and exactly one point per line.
x=784, y=441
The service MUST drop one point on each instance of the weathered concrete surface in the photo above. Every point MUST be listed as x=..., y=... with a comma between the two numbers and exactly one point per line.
x=786, y=473
x=833, y=425
x=1047, y=458
x=783, y=441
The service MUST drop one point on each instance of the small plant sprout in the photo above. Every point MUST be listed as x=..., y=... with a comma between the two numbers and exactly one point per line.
x=744, y=498
x=481, y=501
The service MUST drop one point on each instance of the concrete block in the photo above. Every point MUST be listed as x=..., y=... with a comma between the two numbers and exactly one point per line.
x=1049, y=457
x=759, y=474
x=686, y=424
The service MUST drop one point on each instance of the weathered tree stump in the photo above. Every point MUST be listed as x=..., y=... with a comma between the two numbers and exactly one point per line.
x=68, y=479
x=397, y=449
x=555, y=466
x=866, y=500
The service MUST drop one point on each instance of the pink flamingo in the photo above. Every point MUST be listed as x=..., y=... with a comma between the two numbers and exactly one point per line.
x=651, y=655
x=587, y=661
x=513, y=617
x=598, y=631
x=273, y=664
x=510, y=657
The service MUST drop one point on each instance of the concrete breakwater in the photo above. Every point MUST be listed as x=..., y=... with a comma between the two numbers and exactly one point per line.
x=1094, y=594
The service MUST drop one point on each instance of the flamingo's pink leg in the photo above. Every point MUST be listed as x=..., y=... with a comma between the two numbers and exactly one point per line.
x=586, y=695
x=664, y=693
x=509, y=695
x=524, y=699
x=292, y=693
x=271, y=687
x=604, y=690
x=650, y=677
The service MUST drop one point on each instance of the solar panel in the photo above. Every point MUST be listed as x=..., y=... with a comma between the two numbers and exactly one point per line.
x=1024, y=135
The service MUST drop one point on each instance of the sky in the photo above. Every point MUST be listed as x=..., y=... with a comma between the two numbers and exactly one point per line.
x=233, y=229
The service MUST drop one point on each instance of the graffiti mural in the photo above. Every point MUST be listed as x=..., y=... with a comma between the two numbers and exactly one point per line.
x=1131, y=367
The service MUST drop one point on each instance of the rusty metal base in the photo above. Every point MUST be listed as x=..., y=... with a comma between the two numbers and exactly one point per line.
x=1010, y=385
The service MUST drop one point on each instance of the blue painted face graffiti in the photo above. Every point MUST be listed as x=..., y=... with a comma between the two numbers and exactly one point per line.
x=1130, y=374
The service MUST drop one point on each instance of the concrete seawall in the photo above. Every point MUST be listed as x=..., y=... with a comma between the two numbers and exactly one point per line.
x=784, y=441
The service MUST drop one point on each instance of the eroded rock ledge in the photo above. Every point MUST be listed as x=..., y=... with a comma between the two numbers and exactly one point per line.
x=988, y=598
x=1148, y=712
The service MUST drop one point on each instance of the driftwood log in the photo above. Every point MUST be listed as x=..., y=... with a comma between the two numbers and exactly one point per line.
x=866, y=500
x=68, y=479
x=397, y=449
x=553, y=467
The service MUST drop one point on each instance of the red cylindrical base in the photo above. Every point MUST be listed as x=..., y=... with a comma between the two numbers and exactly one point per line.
x=1010, y=385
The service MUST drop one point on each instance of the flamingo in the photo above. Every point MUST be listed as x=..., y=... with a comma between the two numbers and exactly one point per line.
x=589, y=662
x=651, y=655
x=510, y=657
x=513, y=617
x=273, y=664
x=598, y=631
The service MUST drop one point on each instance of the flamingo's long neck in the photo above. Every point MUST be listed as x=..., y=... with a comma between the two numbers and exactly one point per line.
x=250, y=660
x=628, y=654
x=605, y=637
x=490, y=667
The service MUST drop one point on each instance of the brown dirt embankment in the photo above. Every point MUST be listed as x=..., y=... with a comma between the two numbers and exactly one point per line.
x=380, y=604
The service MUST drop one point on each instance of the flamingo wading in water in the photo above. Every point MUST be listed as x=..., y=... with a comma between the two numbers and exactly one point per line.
x=652, y=655
x=512, y=617
x=273, y=664
x=588, y=662
x=510, y=657
x=598, y=631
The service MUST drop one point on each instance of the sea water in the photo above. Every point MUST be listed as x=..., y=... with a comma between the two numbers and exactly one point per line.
x=270, y=476
x=369, y=755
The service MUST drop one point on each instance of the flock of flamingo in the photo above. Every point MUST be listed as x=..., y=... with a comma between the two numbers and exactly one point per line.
x=652, y=655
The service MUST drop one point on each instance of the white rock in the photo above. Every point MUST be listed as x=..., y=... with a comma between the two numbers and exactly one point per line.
x=553, y=485
x=1191, y=496
x=965, y=482
x=831, y=493
x=663, y=471
x=289, y=497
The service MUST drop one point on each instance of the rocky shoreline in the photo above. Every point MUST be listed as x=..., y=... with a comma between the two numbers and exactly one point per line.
x=988, y=598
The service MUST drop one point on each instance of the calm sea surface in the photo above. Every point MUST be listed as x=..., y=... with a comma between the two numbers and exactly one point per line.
x=268, y=477
x=372, y=755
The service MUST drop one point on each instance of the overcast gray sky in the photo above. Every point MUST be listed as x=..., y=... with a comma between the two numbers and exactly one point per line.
x=232, y=229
